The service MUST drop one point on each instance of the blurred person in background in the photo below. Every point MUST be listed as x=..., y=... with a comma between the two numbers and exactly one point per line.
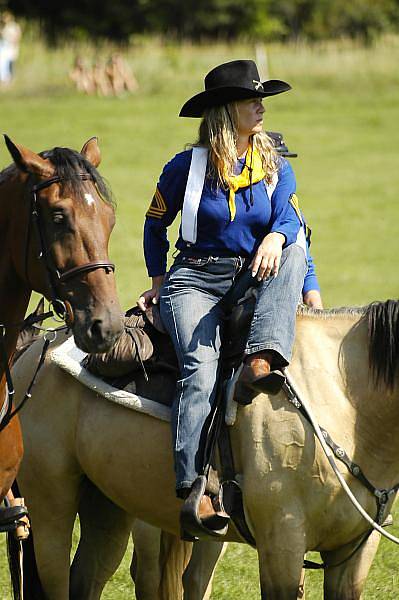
x=120, y=76
x=101, y=82
x=10, y=37
x=240, y=225
x=82, y=77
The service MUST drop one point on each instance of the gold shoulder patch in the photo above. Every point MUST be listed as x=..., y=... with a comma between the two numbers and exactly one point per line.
x=294, y=201
x=158, y=206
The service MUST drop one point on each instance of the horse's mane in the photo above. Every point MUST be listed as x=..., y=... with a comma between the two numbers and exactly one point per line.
x=7, y=172
x=68, y=165
x=382, y=319
x=383, y=335
x=327, y=313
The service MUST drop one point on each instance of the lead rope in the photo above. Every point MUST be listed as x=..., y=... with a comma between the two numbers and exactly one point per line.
x=21, y=570
x=8, y=413
x=28, y=393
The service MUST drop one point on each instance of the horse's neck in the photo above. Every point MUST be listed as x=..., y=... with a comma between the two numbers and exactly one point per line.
x=330, y=367
x=14, y=295
x=13, y=304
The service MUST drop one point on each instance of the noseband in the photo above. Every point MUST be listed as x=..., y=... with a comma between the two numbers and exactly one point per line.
x=62, y=308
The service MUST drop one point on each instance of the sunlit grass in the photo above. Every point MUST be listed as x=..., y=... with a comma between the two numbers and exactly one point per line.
x=341, y=118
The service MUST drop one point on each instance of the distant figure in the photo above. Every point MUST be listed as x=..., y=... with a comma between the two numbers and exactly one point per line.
x=82, y=76
x=120, y=77
x=103, y=79
x=10, y=36
x=102, y=85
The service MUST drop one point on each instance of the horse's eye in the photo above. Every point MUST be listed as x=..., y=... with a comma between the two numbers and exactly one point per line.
x=58, y=218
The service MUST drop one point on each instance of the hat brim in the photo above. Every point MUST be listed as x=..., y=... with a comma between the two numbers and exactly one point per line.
x=195, y=106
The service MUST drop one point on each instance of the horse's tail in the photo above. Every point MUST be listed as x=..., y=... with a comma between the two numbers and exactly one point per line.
x=29, y=576
x=174, y=557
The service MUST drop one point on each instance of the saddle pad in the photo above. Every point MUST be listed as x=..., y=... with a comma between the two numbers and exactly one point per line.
x=68, y=357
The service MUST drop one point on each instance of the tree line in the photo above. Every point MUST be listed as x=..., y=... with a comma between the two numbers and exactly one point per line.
x=197, y=20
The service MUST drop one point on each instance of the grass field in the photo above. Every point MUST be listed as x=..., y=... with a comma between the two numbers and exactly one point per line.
x=341, y=117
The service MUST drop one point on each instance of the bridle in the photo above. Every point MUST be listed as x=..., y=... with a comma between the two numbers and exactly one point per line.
x=61, y=307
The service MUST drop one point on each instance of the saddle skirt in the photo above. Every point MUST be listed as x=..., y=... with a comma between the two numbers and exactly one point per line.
x=71, y=360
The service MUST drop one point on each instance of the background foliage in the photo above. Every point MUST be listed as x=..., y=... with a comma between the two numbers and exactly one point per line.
x=341, y=117
x=120, y=20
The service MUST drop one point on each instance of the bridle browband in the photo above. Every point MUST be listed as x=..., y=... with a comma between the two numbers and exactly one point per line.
x=55, y=277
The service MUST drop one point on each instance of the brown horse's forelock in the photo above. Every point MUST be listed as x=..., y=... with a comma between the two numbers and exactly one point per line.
x=383, y=334
x=68, y=165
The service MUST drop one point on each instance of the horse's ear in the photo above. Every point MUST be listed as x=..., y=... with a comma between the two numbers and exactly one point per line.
x=28, y=161
x=91, y=151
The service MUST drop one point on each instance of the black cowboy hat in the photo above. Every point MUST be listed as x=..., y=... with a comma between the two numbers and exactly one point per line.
x=279, y=144
x=235, y=80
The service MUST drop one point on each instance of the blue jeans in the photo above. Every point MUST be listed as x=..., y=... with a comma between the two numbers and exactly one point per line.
x=194, y=314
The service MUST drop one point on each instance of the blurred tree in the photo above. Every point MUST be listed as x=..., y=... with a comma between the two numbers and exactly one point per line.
x=115, y=20
x=119, y=19
x=363, y=19
x=294, y=15
x=210, y=19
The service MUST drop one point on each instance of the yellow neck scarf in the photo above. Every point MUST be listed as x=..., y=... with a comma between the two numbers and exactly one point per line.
x=254, y=161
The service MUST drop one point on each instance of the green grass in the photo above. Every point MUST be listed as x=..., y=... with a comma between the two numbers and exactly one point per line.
x=341, y=118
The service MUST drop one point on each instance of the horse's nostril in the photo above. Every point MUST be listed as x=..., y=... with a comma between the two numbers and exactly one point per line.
x=96, y=332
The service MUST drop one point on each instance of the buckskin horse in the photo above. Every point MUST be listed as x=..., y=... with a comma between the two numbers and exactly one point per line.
x=56, y=215
x=108, y=462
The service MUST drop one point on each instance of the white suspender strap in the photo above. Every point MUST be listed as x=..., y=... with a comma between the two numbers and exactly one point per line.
x=192, y=196
x=270, y=187
x=301, y=239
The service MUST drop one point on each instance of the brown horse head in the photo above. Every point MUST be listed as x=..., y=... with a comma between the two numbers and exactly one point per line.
x=60, y=216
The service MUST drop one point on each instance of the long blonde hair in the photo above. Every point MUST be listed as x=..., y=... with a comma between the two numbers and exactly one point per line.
x=218, y=132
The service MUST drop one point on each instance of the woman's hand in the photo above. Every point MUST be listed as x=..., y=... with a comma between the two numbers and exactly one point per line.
x=266, y=261
x=313, y=299
x=151, y=296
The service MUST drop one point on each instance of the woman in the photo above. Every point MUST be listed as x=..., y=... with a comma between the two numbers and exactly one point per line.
x=239, y=225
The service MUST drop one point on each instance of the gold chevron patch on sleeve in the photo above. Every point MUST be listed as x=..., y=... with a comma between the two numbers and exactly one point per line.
x=294, y=201
x=158, y=206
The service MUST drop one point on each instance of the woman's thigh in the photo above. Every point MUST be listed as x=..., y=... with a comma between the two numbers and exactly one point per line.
x=194, y=320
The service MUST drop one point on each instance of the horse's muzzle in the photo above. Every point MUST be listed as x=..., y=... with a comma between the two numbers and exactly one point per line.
x=95, y=334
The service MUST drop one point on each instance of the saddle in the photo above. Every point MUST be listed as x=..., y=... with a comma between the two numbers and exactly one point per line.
x=143, y=359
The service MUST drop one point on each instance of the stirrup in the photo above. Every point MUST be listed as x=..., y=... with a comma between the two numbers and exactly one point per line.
x=192, y=526
x=270, y=384
x=12, y=517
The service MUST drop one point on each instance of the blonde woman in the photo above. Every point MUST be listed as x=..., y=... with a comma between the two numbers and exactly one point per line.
x=240, y=227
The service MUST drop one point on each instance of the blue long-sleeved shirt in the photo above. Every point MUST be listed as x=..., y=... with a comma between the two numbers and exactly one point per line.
x=216, y=233
x=311, y=281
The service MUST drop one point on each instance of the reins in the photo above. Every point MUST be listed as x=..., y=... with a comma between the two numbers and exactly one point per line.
x=331, y=449
x=6, y=412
